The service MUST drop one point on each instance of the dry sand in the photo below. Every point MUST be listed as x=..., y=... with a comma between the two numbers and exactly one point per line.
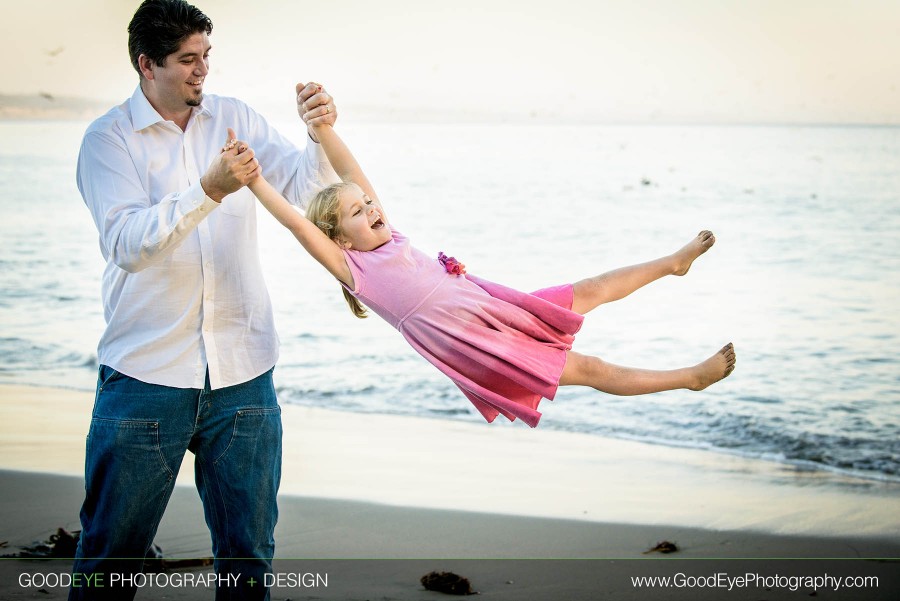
x=374, y=502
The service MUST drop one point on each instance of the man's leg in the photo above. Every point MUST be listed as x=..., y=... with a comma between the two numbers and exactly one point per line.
x=238, y=469
x=138, y=435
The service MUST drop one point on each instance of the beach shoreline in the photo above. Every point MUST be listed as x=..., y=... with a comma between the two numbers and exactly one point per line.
x=377, y=501
x=499, y=468
x=367, y=550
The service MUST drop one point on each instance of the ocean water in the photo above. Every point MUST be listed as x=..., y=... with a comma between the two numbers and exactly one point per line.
x=804, y=278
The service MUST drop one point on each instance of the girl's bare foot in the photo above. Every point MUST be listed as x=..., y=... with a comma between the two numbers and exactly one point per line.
x=715, y=368
x=693, y=249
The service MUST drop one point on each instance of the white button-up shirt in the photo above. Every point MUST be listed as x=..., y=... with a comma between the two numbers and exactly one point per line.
x=183, y=288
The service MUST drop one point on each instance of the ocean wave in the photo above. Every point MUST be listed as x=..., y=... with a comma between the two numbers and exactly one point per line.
x=817, y=385
x=874, y=455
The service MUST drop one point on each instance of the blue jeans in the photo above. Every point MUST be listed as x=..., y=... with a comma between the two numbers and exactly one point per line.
x=138, y=436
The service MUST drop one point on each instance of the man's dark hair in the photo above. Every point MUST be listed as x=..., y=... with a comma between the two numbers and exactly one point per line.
x=158, y=28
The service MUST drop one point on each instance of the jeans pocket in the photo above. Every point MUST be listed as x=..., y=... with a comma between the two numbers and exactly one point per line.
x=127, y=448
x=255, y=438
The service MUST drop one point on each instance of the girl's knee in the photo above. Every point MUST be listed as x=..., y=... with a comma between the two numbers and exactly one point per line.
x=581, y=295
x=580, y=369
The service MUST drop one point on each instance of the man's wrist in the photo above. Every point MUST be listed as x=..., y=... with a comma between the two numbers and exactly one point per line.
x=211, y=191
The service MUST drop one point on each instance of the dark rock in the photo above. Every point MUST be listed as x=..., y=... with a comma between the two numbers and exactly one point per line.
x=663, y=547
x=447, y=582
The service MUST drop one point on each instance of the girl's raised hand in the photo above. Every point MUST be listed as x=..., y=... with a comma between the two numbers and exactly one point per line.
x=232, y=142
x=315, y=106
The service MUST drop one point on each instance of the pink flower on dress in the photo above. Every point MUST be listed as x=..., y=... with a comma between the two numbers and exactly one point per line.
x=451, y=264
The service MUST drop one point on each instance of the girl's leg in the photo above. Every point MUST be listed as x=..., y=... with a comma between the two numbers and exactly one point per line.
x=583, y=370
x=619, y=283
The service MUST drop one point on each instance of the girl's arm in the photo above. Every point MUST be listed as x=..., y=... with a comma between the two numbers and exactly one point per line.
x=321, y=247
x=343, y=161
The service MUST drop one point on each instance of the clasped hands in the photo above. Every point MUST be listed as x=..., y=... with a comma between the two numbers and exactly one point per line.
x=315, y=106
x=236, y=166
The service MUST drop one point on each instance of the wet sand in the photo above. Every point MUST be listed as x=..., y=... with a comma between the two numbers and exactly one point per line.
x=375, y=502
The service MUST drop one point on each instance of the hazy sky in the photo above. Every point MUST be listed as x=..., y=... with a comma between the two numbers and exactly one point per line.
x=637, y=60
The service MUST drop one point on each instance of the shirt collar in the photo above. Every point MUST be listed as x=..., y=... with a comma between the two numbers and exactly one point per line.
x=143, y=115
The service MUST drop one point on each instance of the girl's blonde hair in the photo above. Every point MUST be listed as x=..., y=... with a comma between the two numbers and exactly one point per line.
x=325, y=211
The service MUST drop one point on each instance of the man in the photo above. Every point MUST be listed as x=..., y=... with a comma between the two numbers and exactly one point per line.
x=187, y=355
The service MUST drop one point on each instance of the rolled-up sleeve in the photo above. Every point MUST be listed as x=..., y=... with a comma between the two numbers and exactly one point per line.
x=313, y=174
x=297, y=173
x=133, y=231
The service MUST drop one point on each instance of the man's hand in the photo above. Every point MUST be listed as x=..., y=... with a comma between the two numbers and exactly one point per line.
x=315, y=106
x=234, y=168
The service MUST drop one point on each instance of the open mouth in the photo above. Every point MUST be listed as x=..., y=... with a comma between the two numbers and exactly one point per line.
x=378, y=224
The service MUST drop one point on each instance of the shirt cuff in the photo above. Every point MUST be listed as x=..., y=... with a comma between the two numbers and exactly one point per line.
x=198, y=200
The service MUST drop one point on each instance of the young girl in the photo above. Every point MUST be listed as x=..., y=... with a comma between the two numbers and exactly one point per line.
x=505, y=349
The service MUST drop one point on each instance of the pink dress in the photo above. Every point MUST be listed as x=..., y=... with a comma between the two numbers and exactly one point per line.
x=503, y=348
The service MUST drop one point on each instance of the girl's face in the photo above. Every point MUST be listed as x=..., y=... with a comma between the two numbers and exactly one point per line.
x=362, y=225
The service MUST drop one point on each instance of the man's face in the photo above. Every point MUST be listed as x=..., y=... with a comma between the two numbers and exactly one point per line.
x=178, y=85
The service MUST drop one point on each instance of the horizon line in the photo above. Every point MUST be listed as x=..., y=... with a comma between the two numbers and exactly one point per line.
x=42, y=106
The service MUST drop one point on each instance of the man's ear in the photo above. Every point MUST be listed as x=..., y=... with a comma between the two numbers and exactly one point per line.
x=146, y=65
